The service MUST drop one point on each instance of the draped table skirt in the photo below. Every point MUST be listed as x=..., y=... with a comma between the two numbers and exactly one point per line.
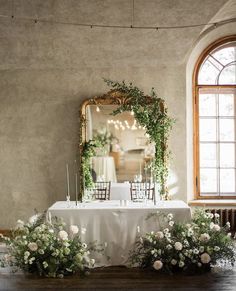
x=116, y=225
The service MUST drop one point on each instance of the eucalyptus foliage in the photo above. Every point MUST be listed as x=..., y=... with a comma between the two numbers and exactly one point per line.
x=151, y=113
x=87, y=152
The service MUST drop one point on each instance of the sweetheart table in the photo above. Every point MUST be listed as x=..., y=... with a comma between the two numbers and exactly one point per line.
x=115, y=224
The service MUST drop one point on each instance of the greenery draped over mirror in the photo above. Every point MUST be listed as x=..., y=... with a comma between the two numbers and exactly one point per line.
x=149, y=111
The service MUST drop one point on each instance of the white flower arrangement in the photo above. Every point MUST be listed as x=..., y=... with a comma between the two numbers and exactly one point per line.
x=47, y=248
x=190, y=247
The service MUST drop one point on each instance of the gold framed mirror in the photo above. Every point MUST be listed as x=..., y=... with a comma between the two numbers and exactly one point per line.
x=124, y=133
x=125, y=149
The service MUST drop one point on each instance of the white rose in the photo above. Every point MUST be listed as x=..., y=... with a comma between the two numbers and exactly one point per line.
x=199, y=265
x=190, y=232
x=201, y=249
x=19, y=224
x=173, y=262
x=228, y=224
x=171, y=223
x=178, y=246
x=217, y=215
x=63, y=235
x=159, y=235
x=212, y=225
x=33, y=246
x=166, y=230
x=216, y=227
x=84, y=245
x=188, y=225
x=26, y=254
x=157, y=265
x=74, y=229
x=92, y=261
x=33, y=218
x=181, y=264
x=170, y=216
x=204, y=237
x=205, y=258
x=216, y=248
x=209, y=215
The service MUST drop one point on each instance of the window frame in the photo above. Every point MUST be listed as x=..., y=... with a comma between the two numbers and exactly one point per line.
x=196, y=88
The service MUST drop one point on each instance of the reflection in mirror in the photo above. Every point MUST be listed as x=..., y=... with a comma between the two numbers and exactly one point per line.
x=125, y=148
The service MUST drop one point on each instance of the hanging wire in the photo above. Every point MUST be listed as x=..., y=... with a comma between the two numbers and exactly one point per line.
x=33, y=20
x=12, y=9
x=132, y=19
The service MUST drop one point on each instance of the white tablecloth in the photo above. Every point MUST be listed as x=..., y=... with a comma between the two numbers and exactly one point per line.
x=105, y=166
x=120, y=191
x=109, y=222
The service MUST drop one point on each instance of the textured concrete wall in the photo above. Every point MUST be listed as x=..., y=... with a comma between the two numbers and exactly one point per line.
x=47, y=70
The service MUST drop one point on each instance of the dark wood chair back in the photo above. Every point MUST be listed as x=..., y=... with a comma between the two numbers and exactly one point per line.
x=101, y=190
x=146, y=188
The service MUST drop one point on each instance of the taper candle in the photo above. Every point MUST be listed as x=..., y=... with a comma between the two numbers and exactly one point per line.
x=68, y=180
x=76, y=188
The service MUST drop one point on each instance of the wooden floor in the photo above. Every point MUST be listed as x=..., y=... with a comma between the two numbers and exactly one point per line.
x=121, y=278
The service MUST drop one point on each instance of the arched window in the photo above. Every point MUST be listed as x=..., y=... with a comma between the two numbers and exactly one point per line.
x=215, y=121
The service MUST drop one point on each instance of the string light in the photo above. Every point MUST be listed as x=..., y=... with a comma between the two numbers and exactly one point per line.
x=157, y=28
x=124, y=125
x=97, y=109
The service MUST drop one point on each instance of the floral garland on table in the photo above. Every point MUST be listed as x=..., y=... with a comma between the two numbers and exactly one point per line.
x=47, y=249
x=190, y=247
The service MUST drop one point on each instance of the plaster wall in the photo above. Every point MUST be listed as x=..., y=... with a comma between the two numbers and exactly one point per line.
x=47, y=70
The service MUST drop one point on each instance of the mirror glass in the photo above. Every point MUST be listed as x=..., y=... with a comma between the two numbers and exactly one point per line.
x=126, y=149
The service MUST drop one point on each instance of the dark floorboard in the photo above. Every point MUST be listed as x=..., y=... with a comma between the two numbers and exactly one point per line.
x=121, y=278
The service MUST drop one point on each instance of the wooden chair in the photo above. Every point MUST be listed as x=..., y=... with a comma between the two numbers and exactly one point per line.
x=101, y=190
x=145, y=188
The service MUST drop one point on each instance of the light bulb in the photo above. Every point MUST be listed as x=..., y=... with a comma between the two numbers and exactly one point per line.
x=97, y=109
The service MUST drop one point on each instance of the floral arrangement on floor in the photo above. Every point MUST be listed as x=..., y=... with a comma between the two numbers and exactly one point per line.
x=47, y=249
x=190, y=247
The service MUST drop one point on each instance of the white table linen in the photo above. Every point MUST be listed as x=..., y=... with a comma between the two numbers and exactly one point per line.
x=120, y=191
x=109, y=222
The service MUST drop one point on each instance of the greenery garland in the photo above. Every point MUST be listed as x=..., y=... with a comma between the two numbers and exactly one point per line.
x=87, y=152
x=154, y=118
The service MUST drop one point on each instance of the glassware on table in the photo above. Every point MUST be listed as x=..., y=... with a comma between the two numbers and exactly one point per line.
x=139, y=178
x=68, y=201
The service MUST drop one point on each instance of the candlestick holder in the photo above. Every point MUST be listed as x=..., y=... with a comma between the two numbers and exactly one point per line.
x=68, y=201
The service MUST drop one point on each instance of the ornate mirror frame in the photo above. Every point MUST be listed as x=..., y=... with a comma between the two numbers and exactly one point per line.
x=126, y=98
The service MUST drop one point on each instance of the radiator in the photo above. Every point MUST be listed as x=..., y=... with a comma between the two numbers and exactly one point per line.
x=226, y=215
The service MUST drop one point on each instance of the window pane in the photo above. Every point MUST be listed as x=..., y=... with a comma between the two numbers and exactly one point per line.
x=227, y=129
x=227, y=180
x=226, y=104
x=207, y=129
x=208, y=155
x=207, y=105
x=228, y=75
x=227, y=155
x=225, y=55
x=208, y=74
x=208, y=180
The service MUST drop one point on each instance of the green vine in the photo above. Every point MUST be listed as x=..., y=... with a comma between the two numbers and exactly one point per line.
x=154, y=118
x=88, y=151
